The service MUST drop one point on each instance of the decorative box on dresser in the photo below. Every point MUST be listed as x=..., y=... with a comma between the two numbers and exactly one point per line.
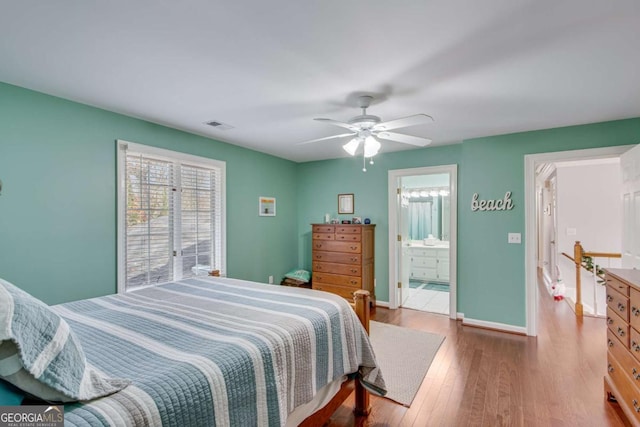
x=622, y=381
x=343, y=258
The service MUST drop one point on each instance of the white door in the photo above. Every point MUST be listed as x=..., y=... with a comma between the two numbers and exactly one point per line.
x=404, y=258
x=630, y=164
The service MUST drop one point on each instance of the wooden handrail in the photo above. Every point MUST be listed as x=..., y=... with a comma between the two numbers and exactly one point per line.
x=602, y=254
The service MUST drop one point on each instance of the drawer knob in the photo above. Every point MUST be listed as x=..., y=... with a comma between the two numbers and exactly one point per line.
x=353, y=270
x=621, y=306
x=610, y=368
x=635, y=346
x=635, y=311
x=353, y=247
x=635, y=405
x=353, y=282
x=620, y=331
x=354, y=259
x=609, y=298
x=609, y=320
x=318, y=256
x=318, y=245
x=610, y=343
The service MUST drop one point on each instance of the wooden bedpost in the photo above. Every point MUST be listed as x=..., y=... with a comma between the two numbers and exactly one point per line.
x=361, y=298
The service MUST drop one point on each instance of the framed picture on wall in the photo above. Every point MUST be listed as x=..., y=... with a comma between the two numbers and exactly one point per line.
x=266, y=206
x=345, y=203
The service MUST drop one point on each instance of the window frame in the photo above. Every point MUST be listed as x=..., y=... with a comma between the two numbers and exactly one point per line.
x=176, y=157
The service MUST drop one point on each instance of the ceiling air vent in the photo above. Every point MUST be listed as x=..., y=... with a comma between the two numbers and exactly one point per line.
x=219, y=125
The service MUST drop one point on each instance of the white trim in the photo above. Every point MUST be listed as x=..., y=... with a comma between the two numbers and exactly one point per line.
x=460, y=316
x=382, y=304
x=531, y=161
x=494, y=325
x=172, y=156
x=121, y=194
x=393, y=177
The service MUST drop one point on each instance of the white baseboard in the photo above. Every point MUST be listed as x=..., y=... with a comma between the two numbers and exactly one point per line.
x=382, y=304
x=459, y=316
x=494, y=325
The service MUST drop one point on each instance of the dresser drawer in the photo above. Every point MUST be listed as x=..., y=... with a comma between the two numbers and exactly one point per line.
x=323, y=236
x=616, y=284
x=328, y=245
x=348, y=229
x=634, y=308
x=634, y=343
x=348, y=269
x=348, y=237
x=424, y=273
x=324, y=229
x=629, y=364
x=429, y=253
x=619, y=328
x=629, y=394
x=421, y=262
x=342, y=291
x=337, y=279
x=338, y=257
x=618, y=303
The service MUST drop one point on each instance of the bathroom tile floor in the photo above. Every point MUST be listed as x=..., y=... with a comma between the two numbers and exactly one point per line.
x=427, y=300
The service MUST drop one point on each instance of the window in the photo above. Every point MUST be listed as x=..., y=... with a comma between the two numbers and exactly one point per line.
x=171, y=218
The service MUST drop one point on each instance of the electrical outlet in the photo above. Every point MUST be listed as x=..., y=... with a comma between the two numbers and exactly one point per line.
x=271, y=280
x=514, y=238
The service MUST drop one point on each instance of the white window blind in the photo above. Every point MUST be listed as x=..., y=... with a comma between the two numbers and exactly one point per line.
x=170, y=216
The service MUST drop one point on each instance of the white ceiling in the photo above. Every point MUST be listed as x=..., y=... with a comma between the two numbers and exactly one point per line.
x=269, y=67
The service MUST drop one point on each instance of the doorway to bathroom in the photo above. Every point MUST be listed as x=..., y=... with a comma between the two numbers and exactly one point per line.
x=422, y=219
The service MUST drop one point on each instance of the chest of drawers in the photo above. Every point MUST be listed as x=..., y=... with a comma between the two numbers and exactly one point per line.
x=622, y=381
x=343, y=258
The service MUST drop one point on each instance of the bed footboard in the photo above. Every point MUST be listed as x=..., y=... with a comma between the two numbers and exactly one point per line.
x=361, y=306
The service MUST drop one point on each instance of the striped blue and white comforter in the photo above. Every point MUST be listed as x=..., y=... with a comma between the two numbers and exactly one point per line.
x=215, y=352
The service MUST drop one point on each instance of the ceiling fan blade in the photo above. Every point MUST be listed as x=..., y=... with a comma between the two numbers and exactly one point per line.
x=341, y=124
x=404, y=122
x=405, y=139
x=326, y=137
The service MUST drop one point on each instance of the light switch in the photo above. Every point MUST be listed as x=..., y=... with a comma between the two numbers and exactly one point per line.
x=514, y=238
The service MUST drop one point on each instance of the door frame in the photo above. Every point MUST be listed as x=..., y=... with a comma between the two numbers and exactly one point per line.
x=531, y=161
x=394, y=176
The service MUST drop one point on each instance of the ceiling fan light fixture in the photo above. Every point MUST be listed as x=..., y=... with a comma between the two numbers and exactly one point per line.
x=371, y=146
x=351, y=146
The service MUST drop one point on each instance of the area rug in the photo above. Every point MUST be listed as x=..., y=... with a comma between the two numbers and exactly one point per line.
x=404, y=356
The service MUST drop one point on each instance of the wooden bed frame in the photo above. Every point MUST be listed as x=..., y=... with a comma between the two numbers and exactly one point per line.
x=362, y=406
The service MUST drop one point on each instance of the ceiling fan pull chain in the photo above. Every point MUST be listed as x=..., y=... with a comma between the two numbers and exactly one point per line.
x=364, y=163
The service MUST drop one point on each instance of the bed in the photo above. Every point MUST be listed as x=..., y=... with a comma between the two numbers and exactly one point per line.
x=211, y=352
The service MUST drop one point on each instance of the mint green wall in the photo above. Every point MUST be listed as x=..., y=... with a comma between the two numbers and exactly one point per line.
x=319, y=184
x=58, y=204
x=491, y=279
x=58, y=214
x=491, y=282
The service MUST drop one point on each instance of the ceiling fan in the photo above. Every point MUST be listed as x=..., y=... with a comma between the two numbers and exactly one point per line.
x=366, y=128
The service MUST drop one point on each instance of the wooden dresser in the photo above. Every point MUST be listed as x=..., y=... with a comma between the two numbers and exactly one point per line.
x=343, y=258
x=622, y=381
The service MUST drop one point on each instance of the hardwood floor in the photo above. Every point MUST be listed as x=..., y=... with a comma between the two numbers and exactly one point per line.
x=487, y=378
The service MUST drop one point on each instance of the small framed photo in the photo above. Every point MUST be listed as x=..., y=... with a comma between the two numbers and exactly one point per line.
x=345, y=203
x=356, y=220
x=266, y=206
